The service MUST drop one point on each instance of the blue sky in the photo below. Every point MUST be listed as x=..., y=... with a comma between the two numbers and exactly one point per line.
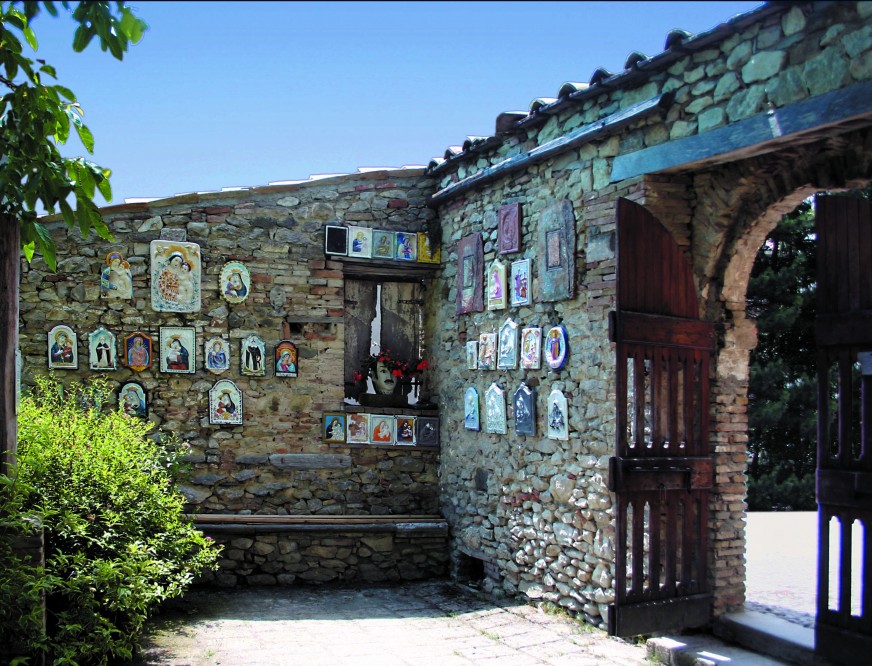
x=229, y=94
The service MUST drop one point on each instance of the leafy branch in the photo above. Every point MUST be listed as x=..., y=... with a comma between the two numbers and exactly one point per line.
x=37, y=116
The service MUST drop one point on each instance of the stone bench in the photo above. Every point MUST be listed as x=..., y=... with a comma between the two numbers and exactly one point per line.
x=283, y=550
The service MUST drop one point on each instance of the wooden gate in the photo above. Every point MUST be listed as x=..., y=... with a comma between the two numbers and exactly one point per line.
x=662, y=472
x=843, y=629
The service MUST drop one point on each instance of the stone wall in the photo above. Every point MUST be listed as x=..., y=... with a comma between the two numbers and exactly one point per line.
x=276, y=461
x=537, y=508
x=319, y=555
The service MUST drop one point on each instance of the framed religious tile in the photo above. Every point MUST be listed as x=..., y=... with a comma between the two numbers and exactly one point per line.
x=471, y=419
x=361, y=242
x=519, y=283
x=178, y=353
x=381, y=429
x=531, y=348
x=471, y=355
x=286, y=359
x=216, y=352
x=358, y=429
x=407, y=246
x=406, y=431
x=138, y=351
x=524, y=402
x=428, y=431
x=487, y=351
x=225, y=403
x=116, y=281
x=507, y=358
x=252, y=356
x=495, y=410
x=234, y=282
x=470, y=279
x=426, y=253
x=336, y=240
x=334, y=427
x=383, y=244
x=62, y=348
x=175, y=276
x=557, y=416
x=496, y=286
x=556, y=347
x=509, y=232
x=102, y=354
x=556, y=275
x=132, y=399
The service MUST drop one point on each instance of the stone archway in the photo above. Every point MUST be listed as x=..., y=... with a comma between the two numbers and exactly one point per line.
x=733, y=208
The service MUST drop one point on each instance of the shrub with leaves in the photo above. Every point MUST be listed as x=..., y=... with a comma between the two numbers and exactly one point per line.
x=117, y=541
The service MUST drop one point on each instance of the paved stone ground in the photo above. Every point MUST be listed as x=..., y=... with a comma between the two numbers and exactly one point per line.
x=433, y=623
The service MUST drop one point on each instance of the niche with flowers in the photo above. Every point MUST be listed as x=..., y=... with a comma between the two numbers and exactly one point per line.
x=385, y=364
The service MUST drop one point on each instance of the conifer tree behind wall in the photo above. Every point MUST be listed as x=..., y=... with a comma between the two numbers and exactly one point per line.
x=782, y=409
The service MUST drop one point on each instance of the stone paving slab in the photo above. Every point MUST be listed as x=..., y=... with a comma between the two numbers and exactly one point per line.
x=434, y=623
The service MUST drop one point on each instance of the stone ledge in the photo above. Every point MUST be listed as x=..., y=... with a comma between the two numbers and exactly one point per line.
x=404, y=525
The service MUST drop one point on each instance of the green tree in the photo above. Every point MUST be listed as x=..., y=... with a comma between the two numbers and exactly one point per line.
x=37, y=115
x=782, y=408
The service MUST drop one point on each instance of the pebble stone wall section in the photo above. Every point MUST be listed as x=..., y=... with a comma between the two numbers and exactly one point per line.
x=538, y=511
x=275, y=463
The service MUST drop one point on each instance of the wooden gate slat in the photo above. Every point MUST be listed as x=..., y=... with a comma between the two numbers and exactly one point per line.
x=669, y=469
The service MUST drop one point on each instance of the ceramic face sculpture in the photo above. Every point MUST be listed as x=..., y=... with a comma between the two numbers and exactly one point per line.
x=383, y=381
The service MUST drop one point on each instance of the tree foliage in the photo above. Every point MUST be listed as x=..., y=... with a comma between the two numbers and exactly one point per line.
x=38, y=115
x=782, y=408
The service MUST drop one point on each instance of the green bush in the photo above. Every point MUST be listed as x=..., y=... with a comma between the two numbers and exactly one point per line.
x=781, y=490
x=117, y=542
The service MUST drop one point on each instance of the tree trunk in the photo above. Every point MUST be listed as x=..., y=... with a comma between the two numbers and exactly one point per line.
x=10, y=253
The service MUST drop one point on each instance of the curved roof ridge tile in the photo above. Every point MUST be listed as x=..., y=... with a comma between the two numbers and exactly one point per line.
x=570, y=87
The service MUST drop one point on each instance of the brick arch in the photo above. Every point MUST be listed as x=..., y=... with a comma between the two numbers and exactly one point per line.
x=734, y=207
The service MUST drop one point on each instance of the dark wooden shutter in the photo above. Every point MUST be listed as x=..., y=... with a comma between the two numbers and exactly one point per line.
x=662, y=471
x=843, y=630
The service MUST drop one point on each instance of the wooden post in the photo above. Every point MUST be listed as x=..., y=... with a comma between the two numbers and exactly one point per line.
x=10, y=252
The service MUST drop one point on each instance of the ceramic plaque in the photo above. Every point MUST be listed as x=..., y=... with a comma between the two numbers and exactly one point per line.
x=556, y=347
x=407, y=246
x=225, y=403
x=471, y=355
x=358, y=429
x=216, y=352
x=531, y=348
x=132, y=399
x=507, y=359
x=286, y=359
x=496, y=286
x=426, y=253
x=336, y=240
x=252, y=356
x=406, y=431
x=470, y=262
x=471, y=419
x=524, y=404
x=556, y=274
x=495, y=410
x=234, y=282
x=383, y=244
x=62, y=348
x=102, y=354
x=175, y=276
x=116, y=281
x=428, y=431
x=558, y=416
x=334, y=427
x=381, y=429
x=509, y=217
x=519, y=283
x=178, y=353
x=138, y=350
x=487, y=351
x=361, y=242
